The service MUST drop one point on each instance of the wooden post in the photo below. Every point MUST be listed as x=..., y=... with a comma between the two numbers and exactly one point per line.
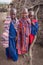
x=37, y=12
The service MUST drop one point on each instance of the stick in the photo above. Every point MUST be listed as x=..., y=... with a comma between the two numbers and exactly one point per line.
x=30, y=51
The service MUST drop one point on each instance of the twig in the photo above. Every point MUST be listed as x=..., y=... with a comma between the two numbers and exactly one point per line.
x=37, y=12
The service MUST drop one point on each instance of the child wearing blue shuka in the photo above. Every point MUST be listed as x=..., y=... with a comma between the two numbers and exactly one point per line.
x=12, y=42
x=12, y=36
x=9, y=36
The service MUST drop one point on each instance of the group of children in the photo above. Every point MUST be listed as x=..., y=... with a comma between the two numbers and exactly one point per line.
x=19, y=34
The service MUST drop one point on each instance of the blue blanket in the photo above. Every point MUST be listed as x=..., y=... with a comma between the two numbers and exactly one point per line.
x=12, y=42
x=34, y=28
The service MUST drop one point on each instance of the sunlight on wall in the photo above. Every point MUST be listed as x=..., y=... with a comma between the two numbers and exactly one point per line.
x=5, y=1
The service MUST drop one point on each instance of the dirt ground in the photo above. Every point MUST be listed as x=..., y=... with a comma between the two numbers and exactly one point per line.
x=37, y=57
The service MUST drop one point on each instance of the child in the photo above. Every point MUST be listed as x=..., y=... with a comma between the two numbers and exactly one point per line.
x=23, y=32
x=34, y=26
x=12, y=35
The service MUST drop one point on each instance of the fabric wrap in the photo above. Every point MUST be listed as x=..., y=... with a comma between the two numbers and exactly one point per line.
x=12, y=43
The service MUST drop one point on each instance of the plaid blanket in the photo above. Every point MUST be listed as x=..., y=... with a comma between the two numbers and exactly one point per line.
x=24, y=30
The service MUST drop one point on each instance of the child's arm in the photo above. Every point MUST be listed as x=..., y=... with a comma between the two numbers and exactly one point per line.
x=32, y=23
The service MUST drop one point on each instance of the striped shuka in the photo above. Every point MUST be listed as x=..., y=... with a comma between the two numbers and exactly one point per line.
x=5, y=35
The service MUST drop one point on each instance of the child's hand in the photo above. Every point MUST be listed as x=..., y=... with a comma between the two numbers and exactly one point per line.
x=32, y=23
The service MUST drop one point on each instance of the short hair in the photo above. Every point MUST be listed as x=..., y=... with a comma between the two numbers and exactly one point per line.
x=13, y=10
x=25, y=10
x=32, y=13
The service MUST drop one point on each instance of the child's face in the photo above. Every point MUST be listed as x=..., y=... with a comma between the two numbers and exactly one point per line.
x=24, y=15
x=13, y=15
x=31, y=17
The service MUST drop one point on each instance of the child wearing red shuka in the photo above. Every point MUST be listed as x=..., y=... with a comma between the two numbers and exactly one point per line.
x=34, y=27
x=23, y=32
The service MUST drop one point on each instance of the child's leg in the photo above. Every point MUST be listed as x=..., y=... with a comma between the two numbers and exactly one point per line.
x=7, y=52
